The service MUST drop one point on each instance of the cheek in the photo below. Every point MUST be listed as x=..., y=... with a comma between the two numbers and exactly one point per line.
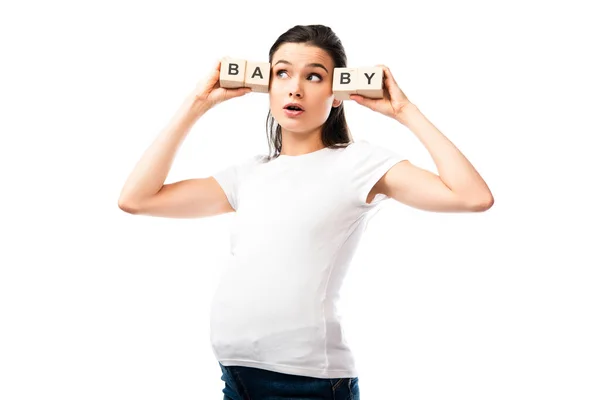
x=276, y=85
x=325, y=90
x=327, y=97
x=274, y=97
x=275, y=92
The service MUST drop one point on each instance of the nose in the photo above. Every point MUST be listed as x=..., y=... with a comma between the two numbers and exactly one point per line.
x=296, y=89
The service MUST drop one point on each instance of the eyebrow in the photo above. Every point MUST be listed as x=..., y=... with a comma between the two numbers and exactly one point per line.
x=308, y=65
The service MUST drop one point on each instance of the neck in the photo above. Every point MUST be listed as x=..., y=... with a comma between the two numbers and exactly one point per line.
x=295, y=143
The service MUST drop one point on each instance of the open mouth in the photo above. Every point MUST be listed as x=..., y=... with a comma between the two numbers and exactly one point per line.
x=293, y=109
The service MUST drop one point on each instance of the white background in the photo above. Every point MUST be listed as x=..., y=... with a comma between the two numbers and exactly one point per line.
x=96, y=303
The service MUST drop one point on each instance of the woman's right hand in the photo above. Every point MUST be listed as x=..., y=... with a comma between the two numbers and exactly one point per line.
x=209, y=92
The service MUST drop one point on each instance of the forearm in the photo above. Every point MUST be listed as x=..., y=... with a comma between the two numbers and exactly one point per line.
x=150, y=172
x=453, y=167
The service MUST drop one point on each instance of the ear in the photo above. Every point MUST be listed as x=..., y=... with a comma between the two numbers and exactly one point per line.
x=336, y=103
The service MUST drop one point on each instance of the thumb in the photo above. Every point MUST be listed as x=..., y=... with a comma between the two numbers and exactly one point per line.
x=364, y=101
x=231, y=93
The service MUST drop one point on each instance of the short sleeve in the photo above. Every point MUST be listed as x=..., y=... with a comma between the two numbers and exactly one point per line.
x=231, y=177
x=368, y=163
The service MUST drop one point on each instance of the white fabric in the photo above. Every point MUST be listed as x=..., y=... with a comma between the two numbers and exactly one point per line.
x=297, y=223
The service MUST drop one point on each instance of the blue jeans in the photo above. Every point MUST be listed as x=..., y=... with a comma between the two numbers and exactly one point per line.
x=246, y=383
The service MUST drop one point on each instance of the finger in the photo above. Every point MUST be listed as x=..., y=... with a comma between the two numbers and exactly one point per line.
x=212, y=78
x=231, y=93
x=390, y=83
x=215, y=77
x=387, y=74
x=221, y=60
x=363, y=101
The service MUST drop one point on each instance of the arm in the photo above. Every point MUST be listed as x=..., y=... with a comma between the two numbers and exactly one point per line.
x=458, y=187
x=144, y=191
x=149, y=174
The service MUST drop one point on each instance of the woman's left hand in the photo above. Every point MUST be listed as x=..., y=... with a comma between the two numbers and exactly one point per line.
x=393, y=102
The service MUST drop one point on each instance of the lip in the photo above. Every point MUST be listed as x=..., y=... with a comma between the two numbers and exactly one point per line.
x=290, y=113
x=294, y=104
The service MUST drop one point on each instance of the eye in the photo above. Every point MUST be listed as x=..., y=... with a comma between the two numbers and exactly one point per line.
x=312, y=74
x=317, y=75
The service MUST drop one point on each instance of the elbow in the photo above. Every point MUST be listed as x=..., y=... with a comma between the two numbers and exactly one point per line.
x=127, y=206
x=482, y=204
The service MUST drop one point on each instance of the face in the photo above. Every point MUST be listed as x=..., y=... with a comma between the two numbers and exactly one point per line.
x=301, y=74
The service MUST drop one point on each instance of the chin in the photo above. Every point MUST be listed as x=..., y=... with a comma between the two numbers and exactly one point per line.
x=295, y=128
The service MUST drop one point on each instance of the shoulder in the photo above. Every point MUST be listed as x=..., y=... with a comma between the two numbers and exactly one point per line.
x=364, y=145
x=354, y=148
x=252, y=161
x=362, y=150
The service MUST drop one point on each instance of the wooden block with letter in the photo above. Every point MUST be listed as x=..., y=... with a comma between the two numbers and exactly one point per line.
x=233, y=72
x=370, y=82
x=344, y=82
x=257, y=76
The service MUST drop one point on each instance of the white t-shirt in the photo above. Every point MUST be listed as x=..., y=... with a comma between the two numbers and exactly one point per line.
x=297, y=223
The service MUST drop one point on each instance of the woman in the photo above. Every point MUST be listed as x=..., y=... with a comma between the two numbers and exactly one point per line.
x=300, y=213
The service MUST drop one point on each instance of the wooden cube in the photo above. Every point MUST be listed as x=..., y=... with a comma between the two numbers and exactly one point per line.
x=257, y=76
x=370, y=82
x=344, y=82
x=233, y=72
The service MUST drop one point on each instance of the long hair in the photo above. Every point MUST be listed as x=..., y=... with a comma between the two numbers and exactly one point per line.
x=335, y=131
